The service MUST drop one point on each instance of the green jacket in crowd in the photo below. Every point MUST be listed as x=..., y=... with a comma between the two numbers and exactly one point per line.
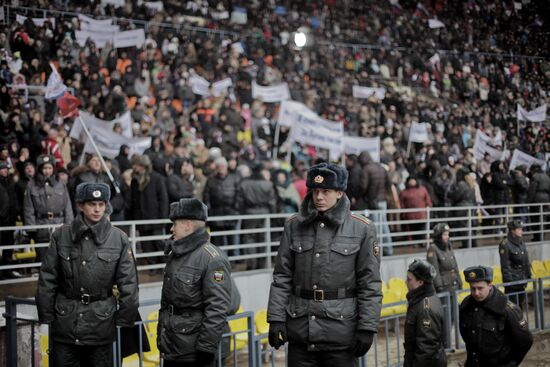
x=334, y=253
x=196, y=298
x=441, y=256
x=74, y=292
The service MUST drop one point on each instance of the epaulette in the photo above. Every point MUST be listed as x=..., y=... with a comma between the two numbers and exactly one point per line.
x=361, y=218
x=427, y=305
x=511, y=305
x=213, y=251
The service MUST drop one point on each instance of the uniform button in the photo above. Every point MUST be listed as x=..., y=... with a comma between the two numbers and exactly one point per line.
x=86, y=238
x=84, y=262
x=183, y=330
x=187, y=280
x=341, y=316
x=80, y=315
x=76, y=340
x=82, y=289
x=322, y=225
x=346, y=250
x=475, y=309
x=313, y=317
x=314, y=286
x=294, y=314
x=163, y=329
x=312, y=346
x=317, y=255
x=62, y=311
x=68, y=258
x=300, y=248
x=473, y=331
x=167, y=278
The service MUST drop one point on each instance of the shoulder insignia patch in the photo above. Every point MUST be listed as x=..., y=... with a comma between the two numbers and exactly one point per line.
x=376, y=249
x=361, y=218
x=501, y=251
x=523, y=323
x=430, y=254
x=130, y=255
x=427, y=323
x=211, y=250
x=219, y=276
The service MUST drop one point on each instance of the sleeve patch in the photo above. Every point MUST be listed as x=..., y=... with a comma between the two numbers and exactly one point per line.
x=427, y=323
x=130, y=255
x=523, y=324
x=211, y=250
x=219, y=276
x=376, y=249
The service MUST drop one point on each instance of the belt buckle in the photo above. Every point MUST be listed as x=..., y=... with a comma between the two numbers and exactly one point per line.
x=50, y=215
x=318, y=295
x=85, y=298
x=170, y=309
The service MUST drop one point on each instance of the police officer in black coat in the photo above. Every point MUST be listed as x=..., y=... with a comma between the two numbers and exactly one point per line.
x=493, y=328
x=425, y=322
x=514, y=262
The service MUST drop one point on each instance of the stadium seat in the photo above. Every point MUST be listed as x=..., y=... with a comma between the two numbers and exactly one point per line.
x=150, y=325
x=133, y=361
x=262, y=326
x=465, y=284
x=238, y=341
x=44, y=350
x=539, y=271
x=392, y=297
x=547, y=265
x=497, y=276
x=398, y=286
x=384, y=287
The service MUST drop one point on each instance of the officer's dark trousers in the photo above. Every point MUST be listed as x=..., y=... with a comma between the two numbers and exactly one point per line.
x=68, y=355
x=187, y=364
x=299, y=356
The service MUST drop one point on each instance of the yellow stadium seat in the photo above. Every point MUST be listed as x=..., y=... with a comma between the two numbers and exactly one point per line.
x=262, y=326
x=239, y=340
x=384, y=286
x=133, y=361
x=465, y=284
x=463, y=295
x=392, y=297
x=547, y=265
x=398, y=286
x=538, y=266
x=152, y=356
x=44, y=350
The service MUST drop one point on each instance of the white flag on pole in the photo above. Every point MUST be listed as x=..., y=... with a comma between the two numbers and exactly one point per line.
x=272, y=93
x=55, y=87
x=419, y=132
x=133, y=38
x=125, y=121
x=520, y=158
x=367, y=92
x=536, y=115
x=435, y=23
x=481, y=146
x=357, y=145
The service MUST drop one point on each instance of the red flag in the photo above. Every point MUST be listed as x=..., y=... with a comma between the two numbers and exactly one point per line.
x=68, y=105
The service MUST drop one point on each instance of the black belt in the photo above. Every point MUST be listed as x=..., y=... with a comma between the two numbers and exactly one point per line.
x=86, y=298
x=174, y=310
x=50, y=215
x=320, y=295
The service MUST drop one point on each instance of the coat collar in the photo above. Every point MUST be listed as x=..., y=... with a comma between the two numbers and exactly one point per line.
x=495, y=302
x=418, y=294
x=187, y=244
x=99, y=231
x=335, y=215
x=443, y=246
x=518, y=241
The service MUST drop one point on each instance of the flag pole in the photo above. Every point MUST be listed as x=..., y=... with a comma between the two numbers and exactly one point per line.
x=103, y=164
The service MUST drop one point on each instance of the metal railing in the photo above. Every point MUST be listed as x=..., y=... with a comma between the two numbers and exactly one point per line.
x=386, y=350
x=466, y=225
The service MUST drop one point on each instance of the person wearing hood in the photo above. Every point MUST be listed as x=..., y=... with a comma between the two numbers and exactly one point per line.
x=514, y=262
x=86, y=258
x=196, y=292
x=425, y=331
x=326, y=294
x=500, y=185
x=122, y=159
x=46, y=201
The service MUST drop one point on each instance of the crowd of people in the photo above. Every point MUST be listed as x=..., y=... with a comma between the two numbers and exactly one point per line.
x=225, y=151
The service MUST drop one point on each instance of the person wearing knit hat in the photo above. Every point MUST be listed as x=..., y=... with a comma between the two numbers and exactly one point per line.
x=425, y=331
x=86, y=258
x=494, y=329
x=204, y=272
x=46, y=201
x=328, y=264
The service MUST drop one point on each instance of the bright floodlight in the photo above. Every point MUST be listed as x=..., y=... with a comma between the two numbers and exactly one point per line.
x=300, y=39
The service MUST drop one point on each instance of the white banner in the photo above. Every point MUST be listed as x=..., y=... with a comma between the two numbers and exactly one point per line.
x=536, y=115
x=39, y=22
x=519, y=158
x=125, y=121
x=98, y=38
x=366, y=92
x=55, y=87
x=481, y=146
x=419, y=132
x=291, y=111
x=109, y=142
x=220, y=15
x=95, y=23
x=434, y=23
x=199, y=85
x=239, y=16
x=133, y=38
x=220, y=87
x=272, y=93
x=357, y=145
x=104, y=28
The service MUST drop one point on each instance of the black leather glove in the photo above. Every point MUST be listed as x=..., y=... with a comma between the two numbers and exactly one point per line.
x=364, y=342
x=277, y=334
x=204, y=358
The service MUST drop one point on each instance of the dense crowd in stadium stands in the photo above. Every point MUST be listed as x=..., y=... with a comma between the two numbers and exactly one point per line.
x=458, y=78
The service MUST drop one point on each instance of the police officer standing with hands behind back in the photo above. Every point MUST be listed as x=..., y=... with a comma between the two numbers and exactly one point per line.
x=83, y=262
x=196, y=293
x=325, y=298
x=493, y=328
x=424, y=324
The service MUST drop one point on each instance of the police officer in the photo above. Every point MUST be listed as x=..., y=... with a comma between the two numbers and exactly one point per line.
x=196, y=293
x=442, y=257
x=86, y=258
x=424, y=324
x=493, y=328
x=46, y=201
x=514, y=262
x=325, y=298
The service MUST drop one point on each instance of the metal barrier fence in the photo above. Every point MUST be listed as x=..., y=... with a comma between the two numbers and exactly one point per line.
x=250, y=348
x=469, y=225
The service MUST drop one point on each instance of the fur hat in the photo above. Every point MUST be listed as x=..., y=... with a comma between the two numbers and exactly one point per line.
x=188, y=208
x=422, y=270
x=44, y=159
x=515, y=223
x=440, y=228
x=478, y=274
x=327, y=176
x=91, y=191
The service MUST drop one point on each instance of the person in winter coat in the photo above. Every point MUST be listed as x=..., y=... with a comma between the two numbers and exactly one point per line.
x=185, y=181
x=196, y=292
x=520, y=191
x=415, y=196
x=425, y=321
x=85, y=259
x=122, y=159
x=325, y=298
x=46, y=201
x=463, y=195
x=8, y=216
x=539, y=192
x=442, y=258
x=493, y=328
x=500, y=185
x=256, y=195
x=514, y=261
x=149, y=201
